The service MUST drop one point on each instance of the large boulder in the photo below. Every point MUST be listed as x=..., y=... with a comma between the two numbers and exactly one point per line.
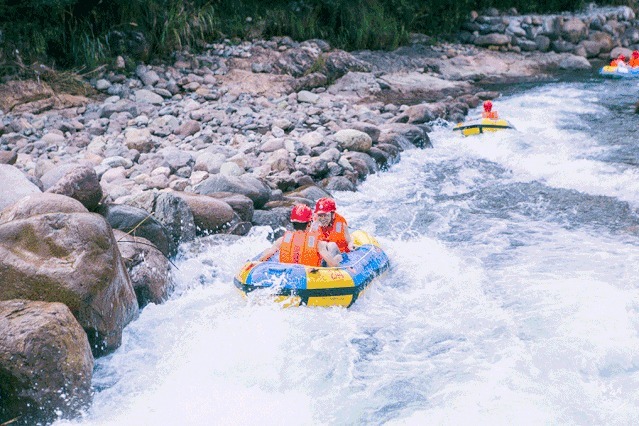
x=45, y=362
x=41, y=203
x=15, y=185
x=70, y=258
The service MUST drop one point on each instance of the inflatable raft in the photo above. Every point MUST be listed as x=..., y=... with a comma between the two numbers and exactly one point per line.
x=482, y=125
x=619, y=72
x=293, y=284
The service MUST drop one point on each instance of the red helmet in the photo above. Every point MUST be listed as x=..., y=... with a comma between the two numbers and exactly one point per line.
x=623, y=58
x=488, y=106
x=635, y=54
x=325, y=205
x=301, y=213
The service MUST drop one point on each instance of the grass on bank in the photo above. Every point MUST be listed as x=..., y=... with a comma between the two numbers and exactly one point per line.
x=83, y=34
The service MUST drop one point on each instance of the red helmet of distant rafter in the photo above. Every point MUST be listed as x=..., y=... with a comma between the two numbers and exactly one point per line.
x=325, y=205
x=488, y=106
x=301, y=213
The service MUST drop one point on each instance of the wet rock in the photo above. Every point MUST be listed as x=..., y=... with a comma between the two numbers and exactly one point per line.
x=46, y=363
x=148, y=268
x=138, y=222
x=209, y=214
x=176, y=216
x=338, y=183
x=276, y=218
x=240, y=204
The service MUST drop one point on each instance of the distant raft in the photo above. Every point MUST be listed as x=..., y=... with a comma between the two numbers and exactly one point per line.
x=619, y=72
x=294, y=285
x=482, y=125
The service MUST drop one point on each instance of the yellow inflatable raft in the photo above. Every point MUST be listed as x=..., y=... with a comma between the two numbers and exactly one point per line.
x=482, y=125
x=293, y=284
x=619, y=72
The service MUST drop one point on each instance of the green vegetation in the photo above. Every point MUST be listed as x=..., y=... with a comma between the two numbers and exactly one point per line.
x=82, y=34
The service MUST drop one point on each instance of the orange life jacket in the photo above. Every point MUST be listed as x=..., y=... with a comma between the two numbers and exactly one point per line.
x=335, y=232
x=300, y=247
x=490, y=114
x=634, y=62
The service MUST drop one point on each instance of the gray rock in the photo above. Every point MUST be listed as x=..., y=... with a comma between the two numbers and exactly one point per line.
x=353, y=140
x=80, y=183
x=338, y=183
x=543, y=43
x=494, y=39
x=245, y=185
x=148, y=268
x=176, y=216
x=144, y=96
x=307, y=97
x=209, y=214
x=275, y=218
x=139, y=222
x=573, y=62
x=15, y=185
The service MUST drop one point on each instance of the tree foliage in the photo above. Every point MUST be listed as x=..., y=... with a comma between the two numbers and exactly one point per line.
x=85, y=33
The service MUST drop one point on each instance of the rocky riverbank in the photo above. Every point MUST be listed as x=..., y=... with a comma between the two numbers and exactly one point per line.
x=99, y=191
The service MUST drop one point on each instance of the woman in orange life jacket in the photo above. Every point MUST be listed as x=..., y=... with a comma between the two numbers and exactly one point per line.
x=301, y=246
x=331, y=226
x=634, y=59
x=488, y=111
x=619, y=62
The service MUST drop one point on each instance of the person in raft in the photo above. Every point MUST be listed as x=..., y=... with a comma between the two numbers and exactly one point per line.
x=634, y=59
x=302, y=246
x=619, y=62
x=332, y=227
x=489, y=112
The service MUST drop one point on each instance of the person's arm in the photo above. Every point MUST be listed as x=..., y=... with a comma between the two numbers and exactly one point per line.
x=271, y=250
x=331, y=257
x=348, y=237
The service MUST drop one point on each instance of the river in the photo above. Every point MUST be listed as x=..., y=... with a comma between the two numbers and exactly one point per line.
x=512, y=298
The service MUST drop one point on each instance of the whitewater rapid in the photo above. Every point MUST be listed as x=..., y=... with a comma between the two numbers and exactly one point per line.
x=512, y=296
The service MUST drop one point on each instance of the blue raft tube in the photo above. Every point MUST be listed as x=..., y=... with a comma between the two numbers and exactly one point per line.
x=294, y=285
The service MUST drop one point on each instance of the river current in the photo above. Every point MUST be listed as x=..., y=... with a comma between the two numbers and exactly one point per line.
x=512, y=297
